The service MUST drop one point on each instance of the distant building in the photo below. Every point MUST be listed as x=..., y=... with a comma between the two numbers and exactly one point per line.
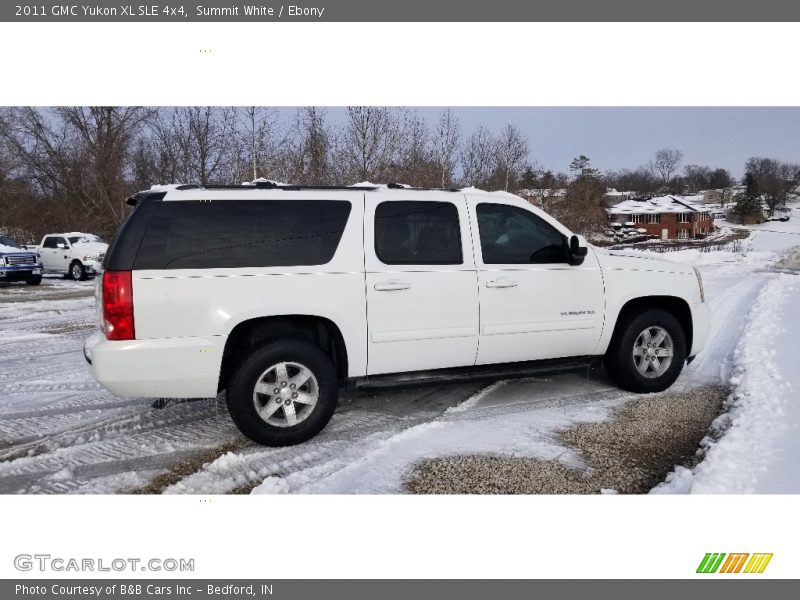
x=666, y=217
x=719, y=197
x=612, y=197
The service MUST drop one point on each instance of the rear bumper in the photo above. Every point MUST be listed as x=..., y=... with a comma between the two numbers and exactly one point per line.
x=157, y=368
x=701, y=325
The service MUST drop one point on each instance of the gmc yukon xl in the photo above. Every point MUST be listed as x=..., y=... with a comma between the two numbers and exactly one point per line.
x=279, y=295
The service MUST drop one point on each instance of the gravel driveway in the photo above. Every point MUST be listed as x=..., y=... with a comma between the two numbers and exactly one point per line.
x=629, y=454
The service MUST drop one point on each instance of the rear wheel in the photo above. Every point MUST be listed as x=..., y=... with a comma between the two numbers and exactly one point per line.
x=77, y=271
x=647, y=352
x=283, y=393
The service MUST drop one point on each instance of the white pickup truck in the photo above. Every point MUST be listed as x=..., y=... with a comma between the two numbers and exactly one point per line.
x=280, y=294
x=76, y=255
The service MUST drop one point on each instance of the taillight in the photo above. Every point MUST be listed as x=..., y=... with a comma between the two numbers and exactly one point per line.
x=118, y=305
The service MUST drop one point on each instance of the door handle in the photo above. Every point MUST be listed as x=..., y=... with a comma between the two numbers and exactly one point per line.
x=501, y=283
x=391, y=286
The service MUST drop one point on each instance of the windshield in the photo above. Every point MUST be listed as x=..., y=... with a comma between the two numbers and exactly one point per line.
x=5, y=241
x=80, y=239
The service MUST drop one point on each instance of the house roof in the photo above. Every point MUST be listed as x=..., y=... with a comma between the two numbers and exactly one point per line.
x=660, y=204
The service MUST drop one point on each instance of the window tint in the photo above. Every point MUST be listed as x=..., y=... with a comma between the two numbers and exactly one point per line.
x=4, y=241
x=242, y=233
x=50, y=242
x=511, y=235
x=417, y=233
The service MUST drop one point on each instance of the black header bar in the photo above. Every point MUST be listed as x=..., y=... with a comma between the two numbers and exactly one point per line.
x=406, y=11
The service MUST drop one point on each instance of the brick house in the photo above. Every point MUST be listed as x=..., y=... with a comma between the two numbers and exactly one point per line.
x=667, y=217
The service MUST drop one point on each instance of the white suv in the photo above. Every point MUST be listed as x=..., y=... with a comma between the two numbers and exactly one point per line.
x=281, y=294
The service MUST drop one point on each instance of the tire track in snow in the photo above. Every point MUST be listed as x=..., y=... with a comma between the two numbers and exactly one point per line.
x=729, y=310
x=353, y=435
x=118, y=445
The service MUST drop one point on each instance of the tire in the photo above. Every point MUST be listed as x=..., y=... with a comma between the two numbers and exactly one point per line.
x=77, y=272
x=34, y=280
x=262, y=368
x=629, y=354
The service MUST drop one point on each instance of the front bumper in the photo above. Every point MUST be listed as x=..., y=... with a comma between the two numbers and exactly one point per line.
x=701, y=325
x=19, y=273
x=91, y=267
x=157, y=368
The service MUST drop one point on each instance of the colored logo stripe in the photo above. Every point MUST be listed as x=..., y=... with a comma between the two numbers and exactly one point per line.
x=734, y=562
x=758, y=563
x=710, y=562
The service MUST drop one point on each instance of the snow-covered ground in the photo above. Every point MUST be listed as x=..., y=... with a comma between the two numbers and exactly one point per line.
x=756, y=442
x=61, y=433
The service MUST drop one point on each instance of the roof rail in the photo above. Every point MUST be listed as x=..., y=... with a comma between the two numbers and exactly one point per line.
x=290, y=187
x=271, y=186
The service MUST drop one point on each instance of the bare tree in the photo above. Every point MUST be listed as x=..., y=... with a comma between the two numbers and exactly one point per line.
x=194, y=144
x=666, y=163
x=640, y=180
x=308, y=154
x=414, y=149
x=78, y=157
x=370, y=141
x=696, y=177
x=479, y=158
x=260, y=139
x=512, y=153
x=773, y=179
x=447, y=137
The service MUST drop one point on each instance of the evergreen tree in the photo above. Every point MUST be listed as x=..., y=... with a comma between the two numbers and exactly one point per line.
x=749, y=202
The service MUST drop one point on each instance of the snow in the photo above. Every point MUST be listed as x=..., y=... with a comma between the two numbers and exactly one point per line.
x=366, y=184
x=660, y=204
x=755, y=417
x=754, y=445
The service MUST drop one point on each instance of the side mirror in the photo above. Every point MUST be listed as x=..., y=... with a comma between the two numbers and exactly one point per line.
x=577, y=250
x=61, y=246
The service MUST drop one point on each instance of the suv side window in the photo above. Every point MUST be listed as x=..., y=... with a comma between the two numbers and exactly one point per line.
x=418, y=233
x=512, y=235
x=50, y=242
x=192, y=234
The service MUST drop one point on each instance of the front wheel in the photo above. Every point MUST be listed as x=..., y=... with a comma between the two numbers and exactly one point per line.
x=77, y=271
x=647, y=352
x=34, y=280
x=283, y=393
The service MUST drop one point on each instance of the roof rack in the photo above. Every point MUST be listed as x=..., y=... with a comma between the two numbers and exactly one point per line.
x=270, y=185
x=161, y=191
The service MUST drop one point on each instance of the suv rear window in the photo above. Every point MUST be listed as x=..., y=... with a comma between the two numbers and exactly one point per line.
x=417, y=233
x=242, y=233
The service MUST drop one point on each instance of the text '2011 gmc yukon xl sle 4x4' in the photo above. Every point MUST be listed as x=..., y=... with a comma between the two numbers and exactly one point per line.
x=280, y=294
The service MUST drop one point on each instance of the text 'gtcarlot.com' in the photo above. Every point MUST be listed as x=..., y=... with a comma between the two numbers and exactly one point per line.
x=46, y=562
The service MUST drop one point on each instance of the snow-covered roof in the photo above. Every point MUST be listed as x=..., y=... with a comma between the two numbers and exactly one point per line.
x=660, y=204
x=610, y=192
